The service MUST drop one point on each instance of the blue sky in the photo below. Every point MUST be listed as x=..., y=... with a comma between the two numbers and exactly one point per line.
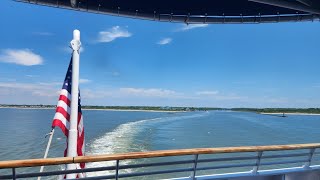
x=136, y=62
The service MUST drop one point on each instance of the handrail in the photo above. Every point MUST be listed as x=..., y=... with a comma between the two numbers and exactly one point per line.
x=35, y=162
x=150, y=154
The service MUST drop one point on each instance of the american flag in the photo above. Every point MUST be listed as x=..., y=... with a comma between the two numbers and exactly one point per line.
x=62, y=116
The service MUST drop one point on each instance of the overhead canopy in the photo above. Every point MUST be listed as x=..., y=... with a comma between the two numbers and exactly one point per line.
x=197, y=11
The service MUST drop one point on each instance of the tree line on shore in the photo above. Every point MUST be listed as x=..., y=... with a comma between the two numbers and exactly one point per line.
x=151, y=108
x=169, y=108
x=280, y=110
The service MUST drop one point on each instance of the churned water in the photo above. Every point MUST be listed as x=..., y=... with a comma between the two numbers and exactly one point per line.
x=22, y=132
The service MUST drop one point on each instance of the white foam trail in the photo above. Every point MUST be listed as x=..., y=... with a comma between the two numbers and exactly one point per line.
x=122, y=139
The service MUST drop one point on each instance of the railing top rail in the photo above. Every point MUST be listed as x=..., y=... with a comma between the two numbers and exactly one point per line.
x=35, y=162
x=151, y=154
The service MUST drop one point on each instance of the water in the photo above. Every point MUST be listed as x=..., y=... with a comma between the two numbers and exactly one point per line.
x=22, y=132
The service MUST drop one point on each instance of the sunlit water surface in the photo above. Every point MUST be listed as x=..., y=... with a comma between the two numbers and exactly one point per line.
x=22, y=132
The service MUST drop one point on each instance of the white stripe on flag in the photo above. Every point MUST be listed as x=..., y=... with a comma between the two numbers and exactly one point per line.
x=64, y=106
x=64, y=121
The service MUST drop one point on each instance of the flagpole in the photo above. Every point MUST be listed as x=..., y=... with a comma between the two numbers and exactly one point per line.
x=47, y=150
x=73, y=131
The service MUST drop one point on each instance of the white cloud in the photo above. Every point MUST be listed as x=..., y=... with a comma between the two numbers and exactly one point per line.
x=43, y=33
x=23, y=57
x=164, y=41
x=30, y=76
x=83, y=81
x=218, y=96
x=272, y=100
x=35, y=89
x=186, y=27
x=95, y=94
x=112, y=34
x=207, y=93
x=230, y=97
x=48, y=92
x=50, y=83
x=8, y=79
x=153, y=92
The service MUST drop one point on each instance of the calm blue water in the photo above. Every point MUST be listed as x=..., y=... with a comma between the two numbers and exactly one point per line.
x=22, y=131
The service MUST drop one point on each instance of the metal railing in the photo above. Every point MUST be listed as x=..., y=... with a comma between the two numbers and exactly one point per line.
x=252, y=157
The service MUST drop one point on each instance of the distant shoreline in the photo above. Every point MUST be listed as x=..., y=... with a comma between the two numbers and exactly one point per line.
x=133, y=110
x=291, y=113
x=142, y=110
x=280, y=111
x=26, y=107
x=265, y=111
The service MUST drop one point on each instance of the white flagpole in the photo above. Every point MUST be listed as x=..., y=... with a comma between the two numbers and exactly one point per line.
x=73, y=131
x=47, y=150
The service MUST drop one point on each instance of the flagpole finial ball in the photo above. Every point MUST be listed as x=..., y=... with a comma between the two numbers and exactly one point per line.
x=76, y=34
x=75, y=44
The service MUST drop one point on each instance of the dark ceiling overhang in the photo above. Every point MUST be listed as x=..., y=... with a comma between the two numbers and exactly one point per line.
x=197, y=11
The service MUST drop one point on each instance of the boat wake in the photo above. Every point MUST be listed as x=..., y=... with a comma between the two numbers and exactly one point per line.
x=125, y=139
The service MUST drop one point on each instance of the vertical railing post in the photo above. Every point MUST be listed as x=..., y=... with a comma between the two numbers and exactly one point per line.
x=256, y=168
x=193, y=175
x=308, y=163
x=117, y=170
x=14, y=174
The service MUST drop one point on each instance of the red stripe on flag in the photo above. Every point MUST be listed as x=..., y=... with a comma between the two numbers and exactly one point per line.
x=62, y=111
x=65, y=99
x=79, y=117
x=80, y=141
x=58, y=122
x=80, y=144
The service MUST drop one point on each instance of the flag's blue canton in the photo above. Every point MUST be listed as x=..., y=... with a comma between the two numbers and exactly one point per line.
x=68, y=79
x=67, y=84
